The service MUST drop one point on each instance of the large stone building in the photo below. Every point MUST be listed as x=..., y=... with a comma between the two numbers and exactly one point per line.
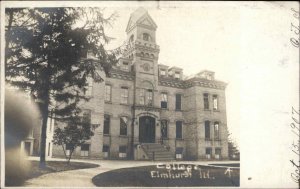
x=146, y=110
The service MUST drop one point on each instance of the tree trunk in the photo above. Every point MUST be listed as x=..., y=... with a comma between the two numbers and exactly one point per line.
x=44, y=137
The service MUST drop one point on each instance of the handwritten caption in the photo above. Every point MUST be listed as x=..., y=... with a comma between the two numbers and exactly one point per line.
x=296, y=144
x=295, y=29
x=179, y=171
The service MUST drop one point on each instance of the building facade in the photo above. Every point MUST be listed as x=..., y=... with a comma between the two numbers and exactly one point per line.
x=143, y=102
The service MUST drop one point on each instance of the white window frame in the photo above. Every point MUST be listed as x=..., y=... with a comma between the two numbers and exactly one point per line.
x=124, y=95
x=108, y=89
x=215, y=102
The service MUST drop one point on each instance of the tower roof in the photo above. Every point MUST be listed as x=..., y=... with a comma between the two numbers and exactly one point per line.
x=140, y=16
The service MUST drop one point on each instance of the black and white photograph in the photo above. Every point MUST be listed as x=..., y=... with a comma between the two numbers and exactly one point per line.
x=150, y=94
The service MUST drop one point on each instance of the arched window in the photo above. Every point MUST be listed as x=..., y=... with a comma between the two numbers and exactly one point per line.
x=146, y=37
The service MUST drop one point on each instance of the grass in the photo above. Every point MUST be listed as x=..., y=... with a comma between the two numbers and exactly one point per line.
x=56, y=166
x=228, y=165
x=141, y=177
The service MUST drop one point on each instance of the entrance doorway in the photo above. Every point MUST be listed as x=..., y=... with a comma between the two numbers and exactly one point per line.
x=147, y=129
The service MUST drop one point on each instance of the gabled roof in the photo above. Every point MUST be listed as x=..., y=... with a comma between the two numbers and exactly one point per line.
x=140, y=16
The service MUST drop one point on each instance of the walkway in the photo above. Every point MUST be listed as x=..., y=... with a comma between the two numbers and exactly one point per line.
x=83, y=177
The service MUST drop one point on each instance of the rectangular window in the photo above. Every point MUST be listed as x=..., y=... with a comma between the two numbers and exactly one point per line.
x=164, y=100
x=179, y=152
x=123, y=125
x=218, y=153
x=125, y=66
x=105, y=151
x=163, y=72
x=177, y=75
x=178, y=102
x=106, y=125
x=124, y=95
x=85, y=148
x=122, y=151
x=179, y=129
x=164, y=128
x=142, y=97
x=215, y=102
x=107, y=93
x=68, y=149
x=206, y=101
x=207, y=130
x=208, y=153
x=216, y=130
x=86, y=116
x=88, y=90
x=149, y=97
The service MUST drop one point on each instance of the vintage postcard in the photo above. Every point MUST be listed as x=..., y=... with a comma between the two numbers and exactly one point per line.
x=133, y=94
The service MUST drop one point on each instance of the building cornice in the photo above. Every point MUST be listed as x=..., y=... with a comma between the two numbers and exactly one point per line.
x=184, y=84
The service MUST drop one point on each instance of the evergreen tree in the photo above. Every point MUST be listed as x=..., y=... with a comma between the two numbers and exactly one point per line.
x=44, y=55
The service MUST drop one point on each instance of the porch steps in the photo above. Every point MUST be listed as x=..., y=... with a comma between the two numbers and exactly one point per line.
x=160, y=152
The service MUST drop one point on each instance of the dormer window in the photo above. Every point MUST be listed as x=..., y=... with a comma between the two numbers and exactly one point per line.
x=131, y=38
x=177, y=75
x=209, y=77
x=146, y=37
x=125, y=66
x=163, y=72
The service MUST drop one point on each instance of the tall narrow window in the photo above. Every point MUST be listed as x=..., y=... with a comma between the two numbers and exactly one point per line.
x=85, y=148
x=178, y=102
x=122, y=151
x=105, y=151
x=206, y=101
x=86, y=116
x=68, y=149
x=88, y=90
x=124, y=95
x=207, y=130
x=208, y=153
x=142, y=97
x=216, y=130
x=218, y=153
x=179, y=129
x=164, y=100
x=164, y=128
x=107, y=93
x=149, y=97
x=123, y=125
x=106, y=125
x=215, y=102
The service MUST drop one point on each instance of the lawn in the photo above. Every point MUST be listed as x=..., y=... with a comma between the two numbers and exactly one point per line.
x=51, y=167
x=152, y=176
x=56, y=166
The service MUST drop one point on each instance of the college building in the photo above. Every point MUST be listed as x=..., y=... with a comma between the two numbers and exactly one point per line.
x=146, y=110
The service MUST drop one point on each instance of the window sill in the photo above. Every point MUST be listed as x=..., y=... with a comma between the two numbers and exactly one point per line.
x=208, y=139
x=167, y=109
x=107, y=135
x=179, y=139
x=108, y=102
x=124, y=104
x=207, y=110
x=178, y=110
x=123, y=136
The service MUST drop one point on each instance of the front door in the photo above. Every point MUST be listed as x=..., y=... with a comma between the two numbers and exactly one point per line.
x=147, y=129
